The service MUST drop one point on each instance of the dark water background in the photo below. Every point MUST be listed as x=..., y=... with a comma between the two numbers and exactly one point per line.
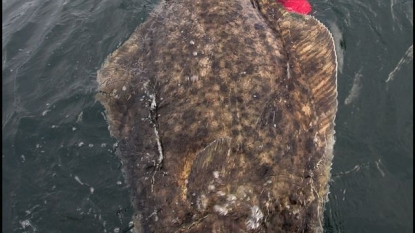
x=60, y=172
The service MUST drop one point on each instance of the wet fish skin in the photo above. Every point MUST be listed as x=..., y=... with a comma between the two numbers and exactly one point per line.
x=224, y=112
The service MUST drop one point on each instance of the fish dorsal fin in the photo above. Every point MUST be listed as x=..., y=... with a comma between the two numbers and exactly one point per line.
x=312, y=61
x=312, y=58
x=311, y=55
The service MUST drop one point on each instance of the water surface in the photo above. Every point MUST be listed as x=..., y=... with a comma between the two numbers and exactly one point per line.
x=60, y=171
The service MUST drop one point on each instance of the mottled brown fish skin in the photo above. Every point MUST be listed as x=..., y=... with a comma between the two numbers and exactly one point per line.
x=224, y=112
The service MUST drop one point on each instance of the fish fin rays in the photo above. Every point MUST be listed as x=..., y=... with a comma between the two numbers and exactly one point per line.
x=208, y=164
x=312, y=56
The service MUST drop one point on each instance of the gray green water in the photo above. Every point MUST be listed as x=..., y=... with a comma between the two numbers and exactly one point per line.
x=60, y=172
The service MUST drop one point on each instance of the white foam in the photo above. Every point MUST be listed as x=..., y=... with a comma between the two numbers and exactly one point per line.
x=27, y=224
x=45, y=112
x=407, y=57
x=379, y=169
x=337, y=38
x=79, y=180
x=79, y=118
x=355, y=91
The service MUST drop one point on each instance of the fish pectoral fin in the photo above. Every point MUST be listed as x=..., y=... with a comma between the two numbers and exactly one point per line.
x=208, y=164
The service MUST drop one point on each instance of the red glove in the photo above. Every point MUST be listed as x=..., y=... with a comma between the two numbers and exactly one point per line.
x=298, y=6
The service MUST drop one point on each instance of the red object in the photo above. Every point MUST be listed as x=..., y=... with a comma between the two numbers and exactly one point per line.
x=298, y=6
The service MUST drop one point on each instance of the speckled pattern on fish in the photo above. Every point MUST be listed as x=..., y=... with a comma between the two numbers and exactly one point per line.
x=224, y=112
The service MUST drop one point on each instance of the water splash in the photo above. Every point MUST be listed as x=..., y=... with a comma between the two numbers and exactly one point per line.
x=355, y=91
x=407, y=57
x=338, y=44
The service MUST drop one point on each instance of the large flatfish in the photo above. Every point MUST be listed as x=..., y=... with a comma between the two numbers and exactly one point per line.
x=224, y=113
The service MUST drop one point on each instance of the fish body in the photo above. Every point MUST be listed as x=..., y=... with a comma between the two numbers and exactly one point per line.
x=224, y=113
